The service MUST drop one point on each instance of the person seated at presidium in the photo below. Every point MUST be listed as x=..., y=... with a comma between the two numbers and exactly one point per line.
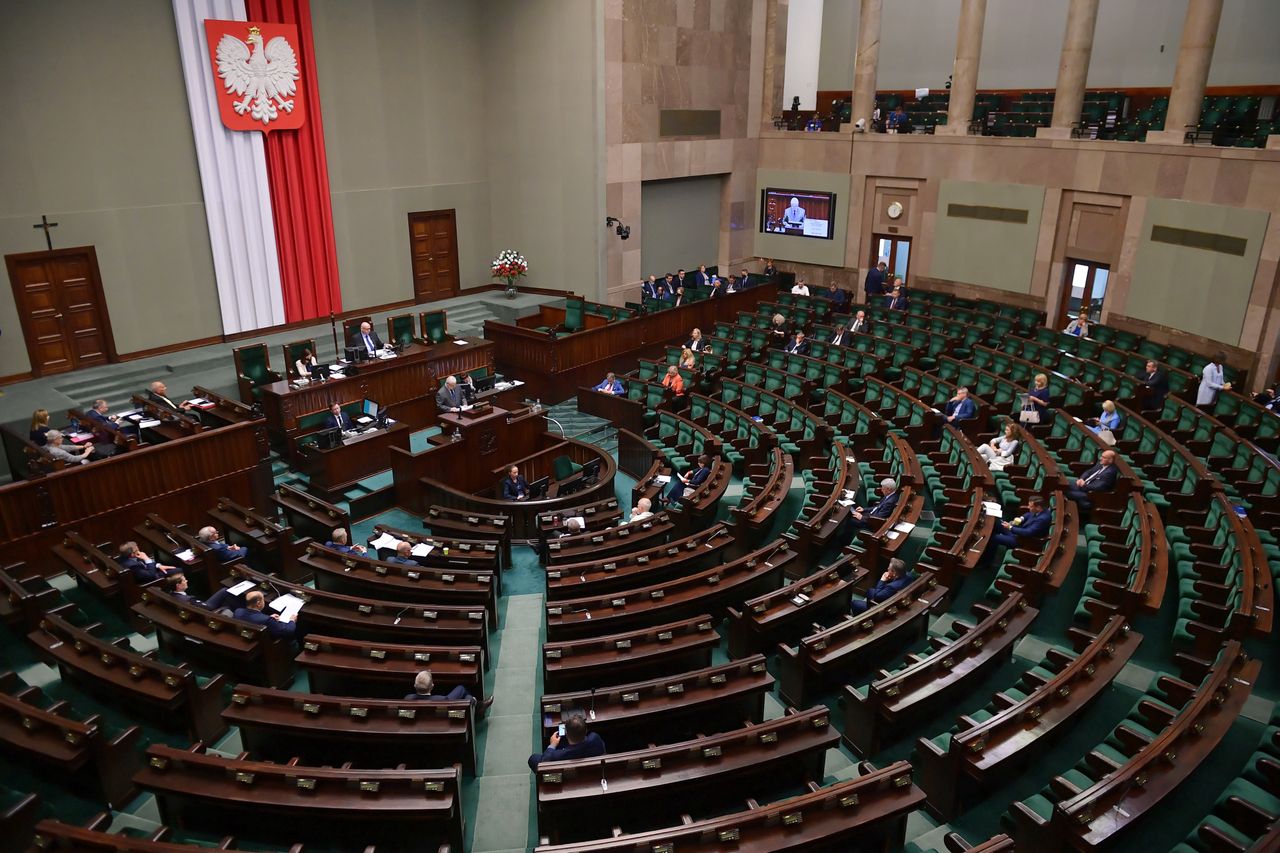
x=423, y=691
x=158, y=394
x=1110, y=420
x=53, y=446
x=1100, y=478
x=1079, y=327
x=339, y=419
x=176, y=585
x=226, y=552
x=960, y=407
x=139, y=565
x=798, y=344
x=366, y=339
x=1000, y=450
x=304, y=364
x=252, y=612
x=610, y=385
x=793, y=216
x=451, y=397
x=577, y=743
x=340, y=542
x=896, y=578
x=514, y=486
x=39, y=427
x=682, y=483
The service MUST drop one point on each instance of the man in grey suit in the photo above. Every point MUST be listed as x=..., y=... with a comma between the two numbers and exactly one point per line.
x=449, y=398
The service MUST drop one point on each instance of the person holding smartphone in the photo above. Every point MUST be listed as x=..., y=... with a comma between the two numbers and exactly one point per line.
x=576, y=742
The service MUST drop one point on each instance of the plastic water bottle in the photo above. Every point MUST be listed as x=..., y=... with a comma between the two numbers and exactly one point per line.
x=457, y=434
x=537, y=405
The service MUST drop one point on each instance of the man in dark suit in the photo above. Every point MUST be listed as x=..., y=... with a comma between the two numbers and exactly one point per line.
x=669, y=286
x=450, y=398
x=1034, y=523
x=340, y=543
x=252, y=612
x=366, y=339
x=225, y=551
x=862, y=517
x=895, y=579
x=798, y=345
x=423, y=691
x=176, y=585
x=681, y=280
x=106, y=424
x=1099, y=478
x=403, y=555
x=514, y=486
x=577, y=743
x=158, y=394
x=139, y=565
x=691, y=480
x=650, y=289
x=338, y=419
x=1156, y=380
x=702, y=278
x=898, y=300
x=874, y=283
x=960, y=407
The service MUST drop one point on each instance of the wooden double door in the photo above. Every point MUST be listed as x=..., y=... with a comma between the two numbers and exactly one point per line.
x=433, y=247
x=61, y=308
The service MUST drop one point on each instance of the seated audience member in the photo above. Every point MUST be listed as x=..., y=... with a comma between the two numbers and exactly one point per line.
x=339, y=419
x=611, y=385
x=424, y=685
x=1001, y=450
x=366, y=339
x=1110, y=420
x=98, y=413
x=39, y=427
x=450, y=397
x=1100, y=478
x=732, y=285
x=1156, y=380
x=651, y=289
x=778, y=330
x=674, y=381
x=681, y=280
x=702, y=278
x=1034, y=523
x=1037, y=403
x=226, y=552
x=678, y=298
x=898, y=121
x=54, y=447
x=770, y=271
x=576, y=743
x=515, y=487
x=800, y=288
x=894, y=579
x=1079, y=327
x=252, y=612
x=798, y=344
x=873, y=284
x=1268, y=399
x=841, y=299
x=572, y=527
x=642, y=510
x=304, y=364
x=696, y=342
x=143, y=568
x=813, y=124
x=403, y=555
x=960, y=407
x=104, y=423
x=744, y=279
x=898, y=300
x=158, y=395
x=340, y=542
x=860, y=517
x=1211, y=383
x=858, y=324
x=689, y=481
x=688, y=359
x=716, y=285
x=668, y=286
x=176, y=585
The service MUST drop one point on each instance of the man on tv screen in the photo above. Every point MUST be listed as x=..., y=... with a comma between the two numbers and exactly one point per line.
x=793, y=216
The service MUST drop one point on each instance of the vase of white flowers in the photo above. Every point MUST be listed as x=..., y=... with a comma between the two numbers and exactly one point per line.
x=509, y=266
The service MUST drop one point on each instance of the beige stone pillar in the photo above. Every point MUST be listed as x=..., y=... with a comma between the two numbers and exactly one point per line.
x=775, y=60
x=867, y=62
x=964, y=73
x=1073, y=69
x=1195, y=54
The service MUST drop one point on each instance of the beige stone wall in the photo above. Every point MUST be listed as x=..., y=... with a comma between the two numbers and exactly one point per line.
x=1095, y=204
x=678, y=54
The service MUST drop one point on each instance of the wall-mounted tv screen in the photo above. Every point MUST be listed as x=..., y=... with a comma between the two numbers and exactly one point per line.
x=801, y=213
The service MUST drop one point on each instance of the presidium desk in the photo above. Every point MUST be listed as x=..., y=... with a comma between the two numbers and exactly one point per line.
x=466, y=472
x=405, y=385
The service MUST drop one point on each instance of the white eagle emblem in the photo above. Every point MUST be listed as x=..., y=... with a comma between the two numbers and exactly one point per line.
x=264, y=78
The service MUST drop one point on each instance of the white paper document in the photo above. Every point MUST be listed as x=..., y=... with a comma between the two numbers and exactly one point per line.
x=148, y=423
x=386, y=540
x=904, y=527
x=892, y=534
x=461, y=343
x=185, y=555
x=241, y=588
x=287, y=606
x=662, y=480
x=422, y=549
x=993, y=508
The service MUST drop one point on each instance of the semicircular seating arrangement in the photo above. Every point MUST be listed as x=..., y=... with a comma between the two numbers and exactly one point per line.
x=832, y=641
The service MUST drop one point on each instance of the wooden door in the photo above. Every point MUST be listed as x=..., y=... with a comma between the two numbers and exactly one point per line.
x=433, y=248
x=61, y=309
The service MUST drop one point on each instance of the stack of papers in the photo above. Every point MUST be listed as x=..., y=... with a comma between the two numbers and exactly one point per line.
x=201, y=403
x=80, y=437
x=904, y=527
x=184, y=555
x=287, y=606
x=422, y=549
x=384, y=542
x=241, y=588
x=993, y=508
x=662, y=479
x=148, y=423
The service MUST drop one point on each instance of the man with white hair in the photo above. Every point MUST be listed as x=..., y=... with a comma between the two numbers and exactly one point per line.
x=862, y=517
x=225, y=551
x=642, y=510
x=793, y=216
x=424, y=683
x=449, y=398
x=158, y=394
x=53, y=446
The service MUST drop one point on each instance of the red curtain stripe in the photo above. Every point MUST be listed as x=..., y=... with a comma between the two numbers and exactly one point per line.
x=298, y=172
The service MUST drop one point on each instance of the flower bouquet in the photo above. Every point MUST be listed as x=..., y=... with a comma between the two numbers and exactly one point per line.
x=509, y=266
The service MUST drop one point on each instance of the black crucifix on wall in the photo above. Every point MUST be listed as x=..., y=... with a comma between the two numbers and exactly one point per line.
x=46, y=225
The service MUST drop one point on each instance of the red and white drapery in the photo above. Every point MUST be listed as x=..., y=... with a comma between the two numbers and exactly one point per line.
x=266, y=199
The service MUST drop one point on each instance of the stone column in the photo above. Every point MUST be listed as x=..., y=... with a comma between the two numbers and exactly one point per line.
x=964, y=73
x=867, y=62
x=1195, y=54
x=1073, y=69
x=775, y=60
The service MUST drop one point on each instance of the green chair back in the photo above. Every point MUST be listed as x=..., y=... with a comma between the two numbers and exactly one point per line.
x=573, y=314
x=435, y=326
x=400, y=329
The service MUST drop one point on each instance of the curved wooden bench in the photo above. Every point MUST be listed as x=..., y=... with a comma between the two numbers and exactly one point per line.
x=619, y=658
x=362, y=668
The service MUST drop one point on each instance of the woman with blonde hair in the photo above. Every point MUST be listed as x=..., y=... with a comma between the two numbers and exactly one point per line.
x=39, y=427
x=1036, y=404
x=1108, y=423
x=688, y=359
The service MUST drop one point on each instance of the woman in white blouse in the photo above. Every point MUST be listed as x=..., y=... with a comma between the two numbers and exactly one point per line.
x=1000, y=450
x=303, y=365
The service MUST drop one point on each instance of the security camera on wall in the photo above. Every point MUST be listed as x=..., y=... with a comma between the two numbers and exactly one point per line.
x=860, y=126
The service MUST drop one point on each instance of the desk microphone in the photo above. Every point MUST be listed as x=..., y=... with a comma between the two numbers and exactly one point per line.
x=592, y=713
x=396, y=621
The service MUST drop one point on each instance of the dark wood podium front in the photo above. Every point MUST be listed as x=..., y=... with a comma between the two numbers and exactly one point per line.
x=331, y=471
